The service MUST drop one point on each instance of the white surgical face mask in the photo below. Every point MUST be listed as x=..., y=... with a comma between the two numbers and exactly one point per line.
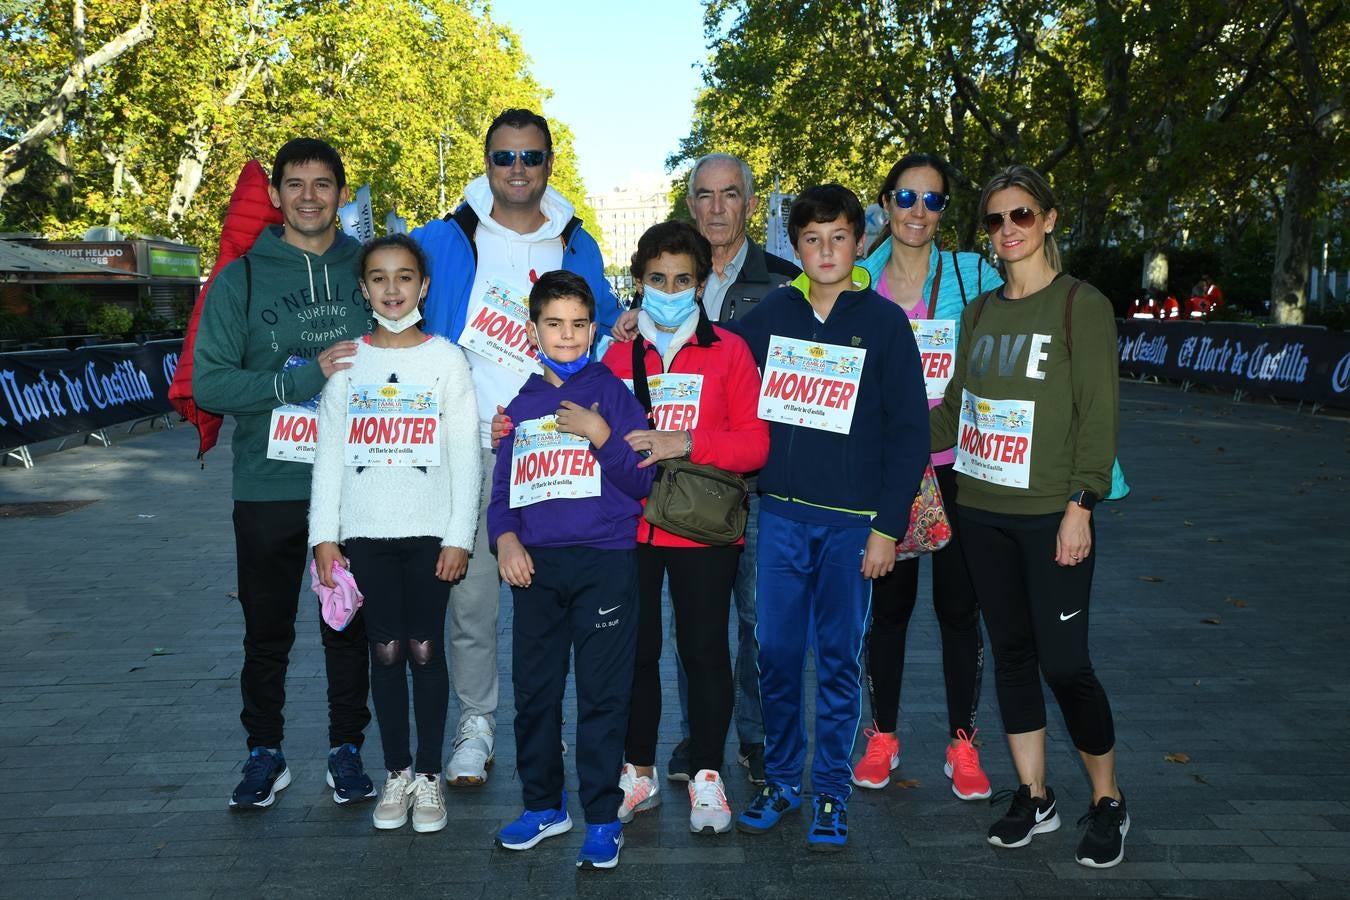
x=397, y=325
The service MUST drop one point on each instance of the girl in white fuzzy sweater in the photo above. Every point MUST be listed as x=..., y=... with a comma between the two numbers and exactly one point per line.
x=395, y=500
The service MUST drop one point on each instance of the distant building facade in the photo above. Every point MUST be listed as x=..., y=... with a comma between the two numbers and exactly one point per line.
x=624, y=212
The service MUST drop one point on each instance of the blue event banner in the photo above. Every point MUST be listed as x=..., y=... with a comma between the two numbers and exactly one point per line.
x=1297, y=362
x=50, y=394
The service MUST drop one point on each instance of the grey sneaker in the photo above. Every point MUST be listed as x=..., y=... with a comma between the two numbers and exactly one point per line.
x=473, y=753
x=428, y=804
x=395, y=798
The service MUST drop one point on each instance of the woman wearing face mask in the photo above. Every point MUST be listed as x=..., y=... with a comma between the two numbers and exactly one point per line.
x=932, y=286
x=704, y=392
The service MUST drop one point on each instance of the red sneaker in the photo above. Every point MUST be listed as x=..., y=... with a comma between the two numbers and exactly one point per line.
x=882, y=755
x=963, y=767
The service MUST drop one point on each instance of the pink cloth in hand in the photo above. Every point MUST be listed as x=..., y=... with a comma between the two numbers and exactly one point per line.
x=338, y=604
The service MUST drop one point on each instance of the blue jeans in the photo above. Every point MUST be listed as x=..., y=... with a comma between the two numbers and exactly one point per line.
x=749, y=713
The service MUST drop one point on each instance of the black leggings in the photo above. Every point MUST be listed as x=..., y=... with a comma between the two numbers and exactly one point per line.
x=1037, y=615
x=958, y=616
x=405, y=622
x=700, y=593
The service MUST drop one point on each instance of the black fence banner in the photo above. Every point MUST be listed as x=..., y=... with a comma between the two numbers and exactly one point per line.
x=1295, y=362
x=47, y=394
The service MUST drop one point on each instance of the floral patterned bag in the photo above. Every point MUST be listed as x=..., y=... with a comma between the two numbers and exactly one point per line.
x=929, y=529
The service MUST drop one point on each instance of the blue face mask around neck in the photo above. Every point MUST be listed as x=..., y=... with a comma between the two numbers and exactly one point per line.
x=668, y=310
x=568, y=369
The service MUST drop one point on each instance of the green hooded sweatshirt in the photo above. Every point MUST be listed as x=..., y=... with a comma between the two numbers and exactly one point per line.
x=1016, y=363
x=300, y=304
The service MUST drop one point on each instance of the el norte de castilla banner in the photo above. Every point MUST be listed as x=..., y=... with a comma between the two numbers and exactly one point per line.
x=57, y=393
x=1279, y=361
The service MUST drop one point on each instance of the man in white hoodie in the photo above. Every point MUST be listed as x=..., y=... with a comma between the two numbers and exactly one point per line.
x=484, y=257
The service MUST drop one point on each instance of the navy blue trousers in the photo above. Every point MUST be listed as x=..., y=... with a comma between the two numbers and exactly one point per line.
x=811, y=595
x=584, y=600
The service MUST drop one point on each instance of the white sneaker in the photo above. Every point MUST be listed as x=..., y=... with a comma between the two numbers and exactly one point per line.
x=473, y=753
x=640, y=793
x=395, y=799
x=428, y=804
x=708, y=807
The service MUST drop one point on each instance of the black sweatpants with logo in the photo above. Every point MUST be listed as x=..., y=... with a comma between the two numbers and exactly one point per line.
x=271, y=546
x=580, y=600
x=1036, y=612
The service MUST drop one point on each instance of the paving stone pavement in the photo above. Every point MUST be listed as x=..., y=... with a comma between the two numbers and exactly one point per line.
x=1219, y=632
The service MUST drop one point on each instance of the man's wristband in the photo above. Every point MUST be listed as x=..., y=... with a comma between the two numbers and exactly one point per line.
x=689, y=443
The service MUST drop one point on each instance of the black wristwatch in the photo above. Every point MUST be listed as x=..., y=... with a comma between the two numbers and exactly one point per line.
x=1084, y=499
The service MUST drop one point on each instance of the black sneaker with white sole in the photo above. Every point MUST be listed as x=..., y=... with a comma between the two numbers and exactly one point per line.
x=1026, y=816
x=1103, y=842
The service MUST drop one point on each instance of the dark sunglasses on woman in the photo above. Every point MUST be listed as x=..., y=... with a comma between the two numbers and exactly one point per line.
x=506, y=158
x=1022, y=217
x=904, y=198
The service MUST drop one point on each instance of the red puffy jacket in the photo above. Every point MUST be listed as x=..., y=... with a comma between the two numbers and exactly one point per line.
x=249, y=212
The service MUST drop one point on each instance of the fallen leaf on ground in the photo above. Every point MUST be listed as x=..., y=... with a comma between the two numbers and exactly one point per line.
x=1211, y=620
x=1182, y=758
x=1155, y=498
x=1233, y=601
x=1199, y=779
x=1187, y=522
x=907, y=784
x=1151, y=579
x=1214, y=540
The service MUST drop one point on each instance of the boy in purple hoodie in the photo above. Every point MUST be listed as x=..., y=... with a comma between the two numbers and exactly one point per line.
x=566, y=494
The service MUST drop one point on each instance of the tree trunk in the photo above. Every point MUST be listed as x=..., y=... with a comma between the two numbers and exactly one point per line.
x=1289, y=278
x=13, y=157
x=192, y=164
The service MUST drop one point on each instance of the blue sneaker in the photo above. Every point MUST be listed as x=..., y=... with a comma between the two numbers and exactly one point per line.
x=532, y=827
x=601, y=850
x=347, y=777
x=265, y=773
x=829, y=825
x=774, y=801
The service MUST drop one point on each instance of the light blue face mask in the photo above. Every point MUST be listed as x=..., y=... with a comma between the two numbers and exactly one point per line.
x=565, y=370
x=668, y=310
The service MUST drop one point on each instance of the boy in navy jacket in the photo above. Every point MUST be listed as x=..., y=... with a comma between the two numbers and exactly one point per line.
x=843, y=391
x=566, y=494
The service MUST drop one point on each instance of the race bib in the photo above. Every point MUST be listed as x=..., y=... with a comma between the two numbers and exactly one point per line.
x=293, y=434
x=810, y=384
x=937, y=350
x=392, y=425
x=675, y=399
x=995, y=440
x=494, y=328
x=547, y=464
x=294, y=430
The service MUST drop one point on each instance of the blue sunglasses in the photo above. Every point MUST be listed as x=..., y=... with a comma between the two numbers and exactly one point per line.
x=934, y=200
x=507, y=158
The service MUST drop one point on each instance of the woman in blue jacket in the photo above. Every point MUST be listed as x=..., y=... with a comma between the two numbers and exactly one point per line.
x=932, y=286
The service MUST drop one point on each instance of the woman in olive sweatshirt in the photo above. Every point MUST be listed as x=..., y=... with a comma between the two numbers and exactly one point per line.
x=1032, y=409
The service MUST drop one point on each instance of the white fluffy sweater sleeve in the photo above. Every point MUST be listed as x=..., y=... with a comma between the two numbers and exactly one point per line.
x=400, y=501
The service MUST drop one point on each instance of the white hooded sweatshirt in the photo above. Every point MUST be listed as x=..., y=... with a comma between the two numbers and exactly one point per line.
x=516, y=260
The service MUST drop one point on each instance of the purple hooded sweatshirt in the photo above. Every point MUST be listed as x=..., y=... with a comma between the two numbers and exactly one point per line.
x=606, y=522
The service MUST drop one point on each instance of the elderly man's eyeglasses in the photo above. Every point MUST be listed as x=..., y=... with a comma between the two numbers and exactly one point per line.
x=507, y=158
x=1022, y=217
x=936, y=201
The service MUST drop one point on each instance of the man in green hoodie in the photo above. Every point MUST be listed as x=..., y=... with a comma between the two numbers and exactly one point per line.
x=279, y=321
